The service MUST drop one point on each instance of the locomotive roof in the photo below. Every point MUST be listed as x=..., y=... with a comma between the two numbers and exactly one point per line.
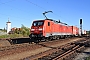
x=57, y=22
x=49, y=19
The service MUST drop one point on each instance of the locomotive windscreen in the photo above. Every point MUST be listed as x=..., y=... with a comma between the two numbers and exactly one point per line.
x=38, y=23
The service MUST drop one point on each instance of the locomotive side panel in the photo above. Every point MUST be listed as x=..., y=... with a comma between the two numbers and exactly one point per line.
x=51, y=28
x=47, y=28
x=55, y=29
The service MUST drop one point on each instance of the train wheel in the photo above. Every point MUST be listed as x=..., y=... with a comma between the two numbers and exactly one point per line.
x=30, y=42
x=46, y=39
x=51, y=38
x=57, y=38
x=37, y=41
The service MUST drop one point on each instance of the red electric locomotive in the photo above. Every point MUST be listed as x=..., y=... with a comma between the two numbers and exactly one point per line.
x=51, y=29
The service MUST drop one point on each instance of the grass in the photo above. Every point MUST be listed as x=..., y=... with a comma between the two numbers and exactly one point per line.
x=11, y=36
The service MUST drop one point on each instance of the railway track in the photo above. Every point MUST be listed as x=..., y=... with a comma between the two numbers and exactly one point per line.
x=8, y=50
x=64, y=52
x=18, y=48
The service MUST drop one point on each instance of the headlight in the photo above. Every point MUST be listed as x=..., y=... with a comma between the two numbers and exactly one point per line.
x=40, y=29
x=32, y=29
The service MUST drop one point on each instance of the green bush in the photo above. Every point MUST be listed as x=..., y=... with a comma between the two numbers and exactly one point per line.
x=24, y=31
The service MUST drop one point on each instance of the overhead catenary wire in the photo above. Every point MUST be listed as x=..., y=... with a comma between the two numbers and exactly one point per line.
x=8, y=15
x=30, y=3
x=5, y=3
x=43, y=9
x=35, y=4
x=40, y=7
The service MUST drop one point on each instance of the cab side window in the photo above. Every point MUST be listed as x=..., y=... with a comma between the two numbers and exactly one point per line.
x=48, y=23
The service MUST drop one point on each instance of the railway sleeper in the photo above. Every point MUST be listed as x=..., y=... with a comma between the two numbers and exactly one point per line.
x=79, y=50
x=66, y=53
x=68, y=47
x=67, y=56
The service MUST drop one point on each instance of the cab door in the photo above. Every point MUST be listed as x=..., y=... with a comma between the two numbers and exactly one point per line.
x=50, y=27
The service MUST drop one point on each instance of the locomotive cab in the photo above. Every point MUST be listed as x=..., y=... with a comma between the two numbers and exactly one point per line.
x=37, y=29
x=41, y=29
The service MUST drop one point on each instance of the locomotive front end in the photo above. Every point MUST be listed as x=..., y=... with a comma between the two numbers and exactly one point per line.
x=37, y=29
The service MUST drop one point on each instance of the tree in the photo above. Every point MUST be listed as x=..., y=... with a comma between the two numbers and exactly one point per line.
x=25, y=30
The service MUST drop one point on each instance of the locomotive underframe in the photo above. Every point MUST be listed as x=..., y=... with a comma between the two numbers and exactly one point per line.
x=39, y=37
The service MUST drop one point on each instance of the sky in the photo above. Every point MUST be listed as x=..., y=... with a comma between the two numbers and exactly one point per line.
x=26, y=11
